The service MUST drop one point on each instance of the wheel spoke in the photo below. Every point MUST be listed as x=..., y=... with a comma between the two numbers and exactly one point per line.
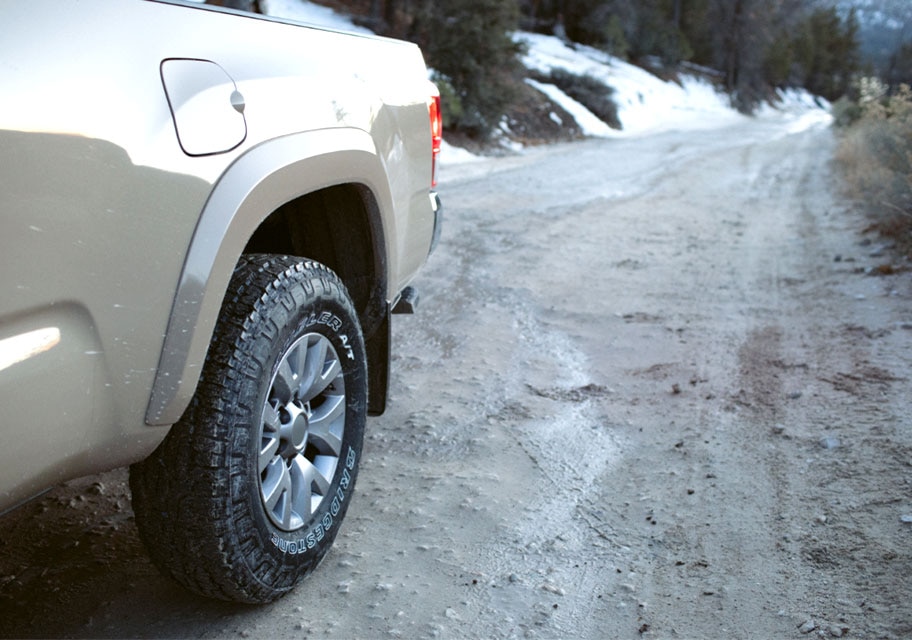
x=271, y=420
x=276, y=491
x=316, y=356
x=312, y=481
x=333, y=370
x=327, y=425
x=297, y=360
x=285, y=384
x=268, y=451
x=313, y=381
x=269, y=442
x=311, y=485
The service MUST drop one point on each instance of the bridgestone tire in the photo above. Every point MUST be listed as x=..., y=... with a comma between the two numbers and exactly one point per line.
x=246, y=494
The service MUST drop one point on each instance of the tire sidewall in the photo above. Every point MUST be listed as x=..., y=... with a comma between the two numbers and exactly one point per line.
x=295, y=315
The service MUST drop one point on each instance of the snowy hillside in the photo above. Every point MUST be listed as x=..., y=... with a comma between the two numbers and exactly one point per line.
x=646, y=104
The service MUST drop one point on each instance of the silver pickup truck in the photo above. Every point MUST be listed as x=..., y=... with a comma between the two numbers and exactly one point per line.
x=207, y=219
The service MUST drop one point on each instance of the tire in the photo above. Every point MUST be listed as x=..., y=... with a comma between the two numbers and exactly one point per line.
x=245, y=495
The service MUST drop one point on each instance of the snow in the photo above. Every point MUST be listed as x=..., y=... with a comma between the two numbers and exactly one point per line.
x=311, y=14
x=455, y=155
x=798, y=110
x=646, y=104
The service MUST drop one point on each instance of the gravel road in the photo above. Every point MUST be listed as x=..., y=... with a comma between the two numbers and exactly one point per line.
x=652, y=391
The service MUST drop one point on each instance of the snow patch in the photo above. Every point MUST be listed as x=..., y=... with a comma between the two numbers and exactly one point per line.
x=645, y=103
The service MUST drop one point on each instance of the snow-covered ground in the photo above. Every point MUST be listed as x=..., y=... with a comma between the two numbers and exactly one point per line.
x=646, y=104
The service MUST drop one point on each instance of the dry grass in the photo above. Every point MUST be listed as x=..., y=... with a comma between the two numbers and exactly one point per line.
x=875, y=155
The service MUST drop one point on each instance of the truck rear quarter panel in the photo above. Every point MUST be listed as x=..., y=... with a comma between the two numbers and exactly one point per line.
x=100, y=205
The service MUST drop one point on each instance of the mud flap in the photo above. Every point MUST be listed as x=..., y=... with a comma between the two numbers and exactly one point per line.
x=378, y=366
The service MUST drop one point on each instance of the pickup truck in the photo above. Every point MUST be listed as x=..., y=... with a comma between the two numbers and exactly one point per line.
x=208, y=218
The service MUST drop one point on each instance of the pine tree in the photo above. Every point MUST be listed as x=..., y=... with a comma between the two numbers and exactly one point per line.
x=469, y=45
x=899, y=70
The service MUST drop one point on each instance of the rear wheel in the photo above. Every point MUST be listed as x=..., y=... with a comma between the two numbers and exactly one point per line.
x=245, y=495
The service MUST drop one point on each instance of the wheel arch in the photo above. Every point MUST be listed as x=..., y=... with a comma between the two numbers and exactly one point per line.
x=323, y=191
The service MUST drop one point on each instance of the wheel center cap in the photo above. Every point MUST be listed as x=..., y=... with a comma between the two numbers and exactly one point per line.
x=298, y=432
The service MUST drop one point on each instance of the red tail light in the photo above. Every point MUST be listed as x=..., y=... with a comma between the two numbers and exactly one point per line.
x=436, y=134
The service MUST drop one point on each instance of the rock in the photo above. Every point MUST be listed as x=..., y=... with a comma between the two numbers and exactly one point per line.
x=830, y=442
x=807, y=627
x=906, y=518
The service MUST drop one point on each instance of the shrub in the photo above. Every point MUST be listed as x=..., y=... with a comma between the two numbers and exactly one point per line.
x=452, y=111
x=846, y=112
x=590, y=92
x=876, y=158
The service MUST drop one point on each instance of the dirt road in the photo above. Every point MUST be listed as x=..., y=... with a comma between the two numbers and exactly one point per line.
x=651, y=392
